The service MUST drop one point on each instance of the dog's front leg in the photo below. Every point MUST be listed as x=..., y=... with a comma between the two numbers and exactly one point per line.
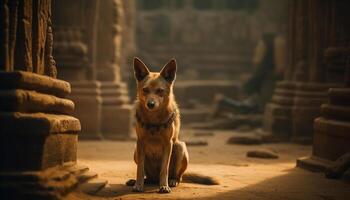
x=164, y=173
x=138, y=187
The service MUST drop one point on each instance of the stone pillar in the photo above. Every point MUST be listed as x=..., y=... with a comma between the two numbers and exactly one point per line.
x=278, y=113
x=39, y=136
x=297, y=99
x=75, y=52
x=332, y=128
x=116, y=112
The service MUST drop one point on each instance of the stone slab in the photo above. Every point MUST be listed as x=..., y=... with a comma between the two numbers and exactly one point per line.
x=314, y=163
x=88, y=110
x=50, y=184
x=32, y=81
x=18, y=123
x=93, y=186
x=116, y=121
x=264, y=154
x=331, y=138
x=36, y=152
x=32, y=101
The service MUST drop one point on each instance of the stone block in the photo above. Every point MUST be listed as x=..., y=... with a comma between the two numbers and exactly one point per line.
x=331, y=138
x=87, y=99
x=117, y=121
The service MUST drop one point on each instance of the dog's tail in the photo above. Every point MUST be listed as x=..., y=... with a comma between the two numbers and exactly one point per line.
x=199, y=179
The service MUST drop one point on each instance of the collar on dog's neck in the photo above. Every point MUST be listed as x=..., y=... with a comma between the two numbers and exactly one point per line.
x=156, y=127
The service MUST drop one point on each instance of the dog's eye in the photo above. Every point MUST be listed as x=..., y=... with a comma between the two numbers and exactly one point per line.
x=145, y=90
x=160, y=91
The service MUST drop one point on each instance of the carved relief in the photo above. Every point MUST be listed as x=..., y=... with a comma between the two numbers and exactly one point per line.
x=26, y=36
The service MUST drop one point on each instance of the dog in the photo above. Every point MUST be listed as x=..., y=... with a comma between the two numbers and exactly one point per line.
x=160, y=156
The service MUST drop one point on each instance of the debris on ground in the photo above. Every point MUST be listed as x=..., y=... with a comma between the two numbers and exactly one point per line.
x=196, y=142
x=267, y=154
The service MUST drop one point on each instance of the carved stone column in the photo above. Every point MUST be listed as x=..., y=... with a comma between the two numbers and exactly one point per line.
x=278, y=113
x=297, y=99
x=332, y=128
x=38, y=135
x=75, y=51
x=116, y=109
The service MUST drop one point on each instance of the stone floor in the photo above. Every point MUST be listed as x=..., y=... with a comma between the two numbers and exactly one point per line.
x=240, y=177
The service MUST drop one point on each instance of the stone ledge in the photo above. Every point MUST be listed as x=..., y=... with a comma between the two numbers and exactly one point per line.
x=332, y=127
x=311, y=87
x=313, y=163
x=30, y=101
x=121, y=100
x=37, y=123
x=290, y=85
x=32, y=81
x=336, y=112
x=53, y=183
x=85, y=84
x=339, y=96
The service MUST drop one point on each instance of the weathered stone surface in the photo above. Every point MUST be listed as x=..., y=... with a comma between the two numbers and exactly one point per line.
x=277, y=120
x=38, y=142
x=86, y=176
x=339, y=166
x=262, y=154
x=339, y=96
x=31, y=81
x=335, y=111
x=331, y=138
x=116, y=112
x=247, y=140
x=114, y=93
x=116, y=121
x=52, y=183
x=37, y=123
x=314, y=163
x=87, y=99
x=93, y=186
x=31, y=101
x=37, y=152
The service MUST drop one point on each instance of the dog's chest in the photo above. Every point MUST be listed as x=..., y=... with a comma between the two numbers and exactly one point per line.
x=154, y=146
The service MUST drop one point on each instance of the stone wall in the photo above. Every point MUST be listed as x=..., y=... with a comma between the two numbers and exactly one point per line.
x=297, y=99
x=89, y=51
x=330, y=22
x=210, y=39
x=38, y=134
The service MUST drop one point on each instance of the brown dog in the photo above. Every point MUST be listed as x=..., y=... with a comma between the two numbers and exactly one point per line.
x=159, y=154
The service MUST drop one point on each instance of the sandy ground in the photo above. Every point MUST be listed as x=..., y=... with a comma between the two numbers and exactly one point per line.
x=240, y=177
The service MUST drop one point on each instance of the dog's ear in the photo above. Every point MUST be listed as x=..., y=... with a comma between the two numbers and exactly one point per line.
x=169, y=71
x=140, y=69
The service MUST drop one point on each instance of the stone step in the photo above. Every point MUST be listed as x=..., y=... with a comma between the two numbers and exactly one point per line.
x=31, y=81
x=336, y=112
x=339, y=96
x=86, y=176
x=93, y=186
x=32, y=101
x=37, y=123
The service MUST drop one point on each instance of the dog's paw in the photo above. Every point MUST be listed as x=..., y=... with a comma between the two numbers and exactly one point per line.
x=164, y=189
x=137, y=188
x=173, y=182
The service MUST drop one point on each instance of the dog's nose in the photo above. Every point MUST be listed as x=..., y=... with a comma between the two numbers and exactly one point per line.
x=151, y=104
